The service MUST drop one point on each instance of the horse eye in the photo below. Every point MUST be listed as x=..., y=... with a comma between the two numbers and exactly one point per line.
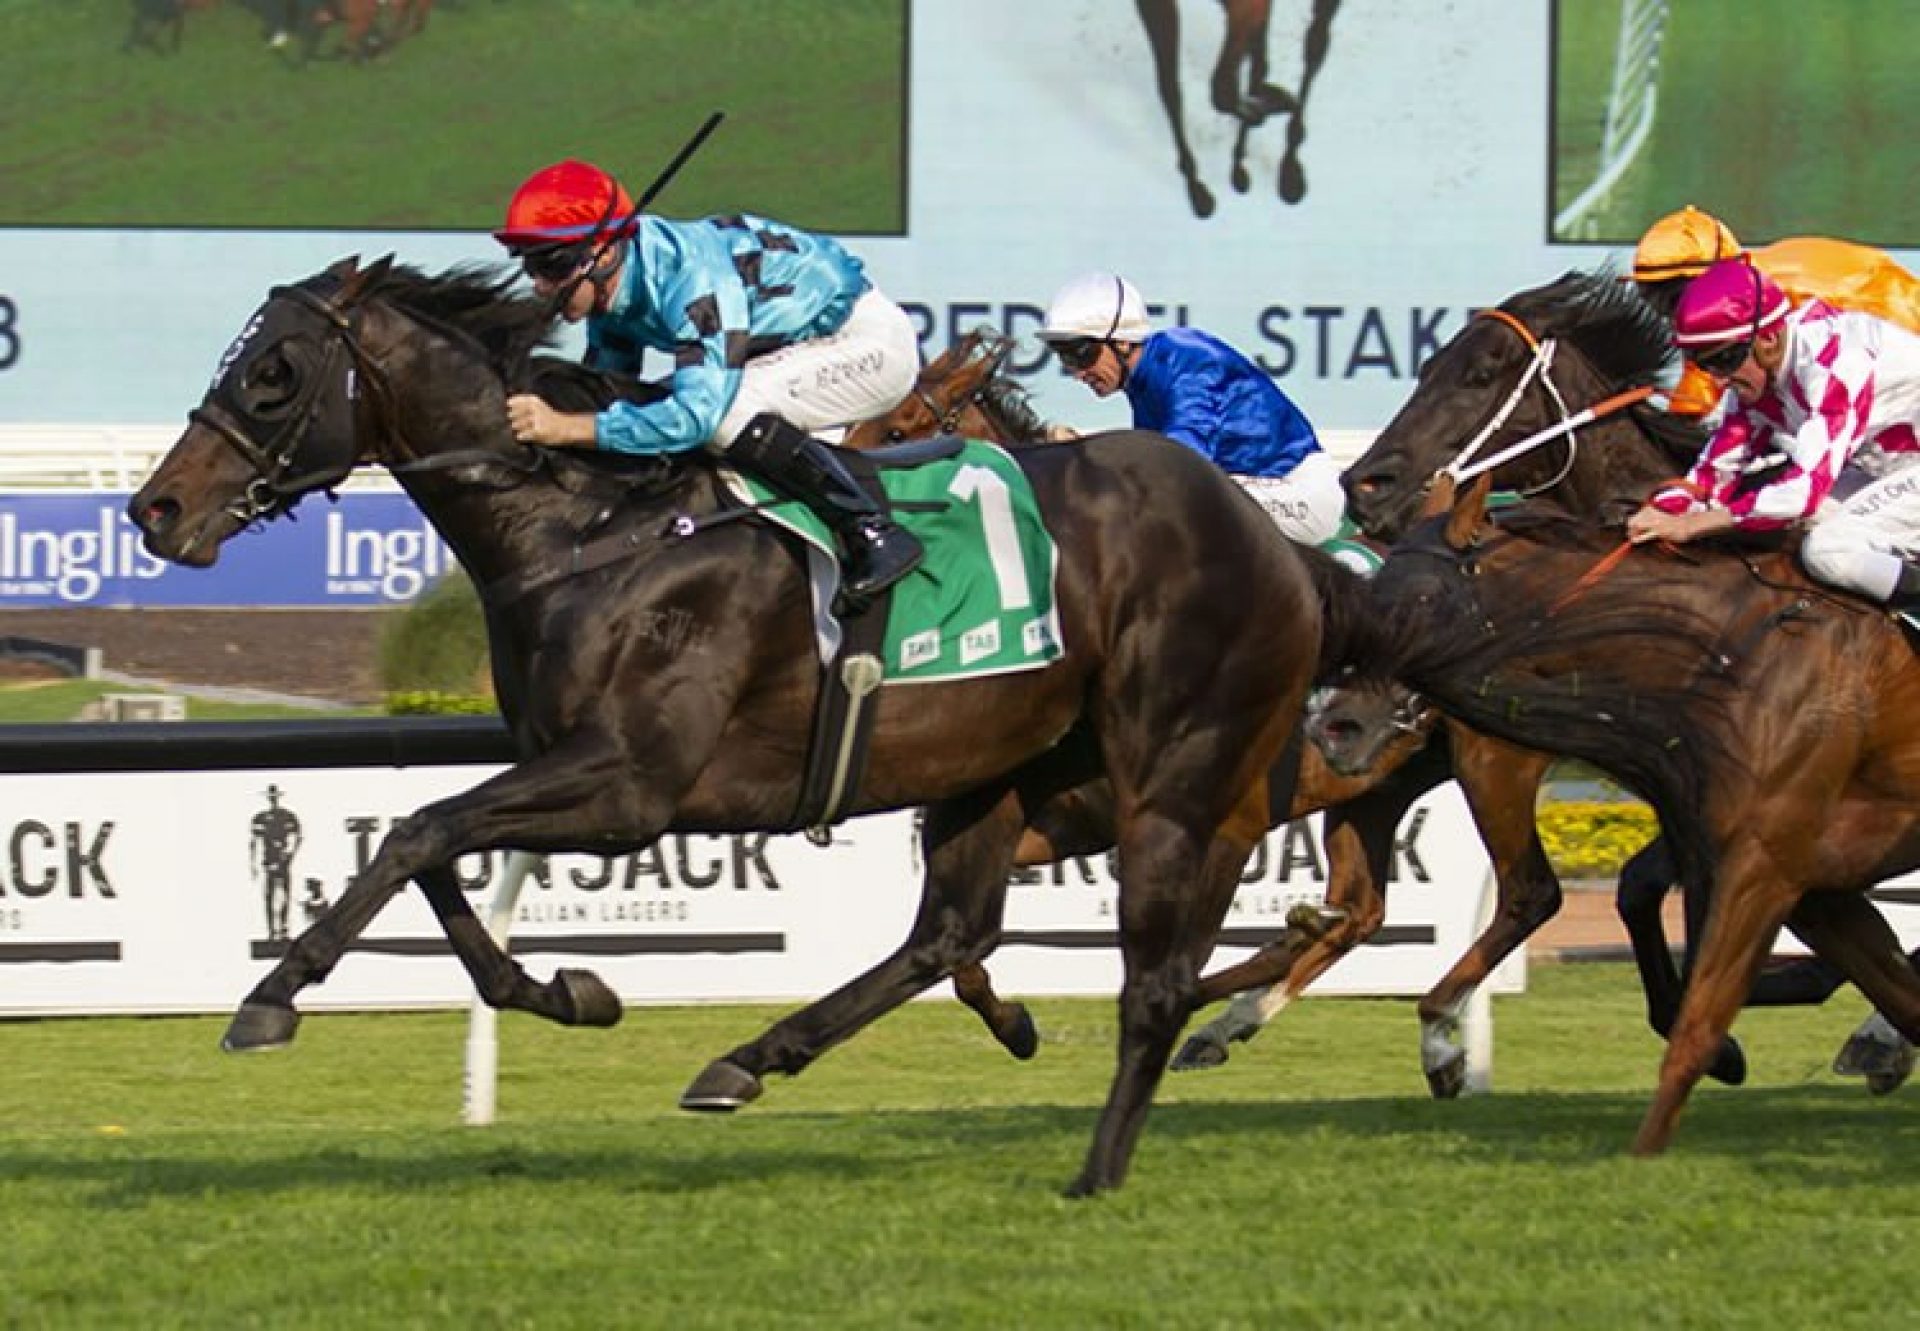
x=896, y=435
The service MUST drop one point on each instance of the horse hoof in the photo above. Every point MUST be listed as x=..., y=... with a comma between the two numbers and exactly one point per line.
x=258, y=1027
x=1199, y=1053
x=1242, y=180
x=1021, y=1038
x=1084, y=1187
x=1200, y=198
x=1449, y=1079
x=721, y=1089
x=1891, y=1077
x=592, y=1003
x=1730, y=1064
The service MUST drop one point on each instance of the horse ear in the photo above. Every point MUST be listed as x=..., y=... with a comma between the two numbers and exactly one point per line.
x=344, y=269
x=1469, y=511
x=1438, y=498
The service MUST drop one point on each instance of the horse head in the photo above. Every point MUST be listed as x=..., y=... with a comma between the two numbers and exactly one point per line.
x=1537, y=363
x=280, y=419
x=950, y=396
x=1359, y=729
x=327, y=375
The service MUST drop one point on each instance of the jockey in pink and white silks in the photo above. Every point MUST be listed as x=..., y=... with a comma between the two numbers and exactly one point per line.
x=1826, y=432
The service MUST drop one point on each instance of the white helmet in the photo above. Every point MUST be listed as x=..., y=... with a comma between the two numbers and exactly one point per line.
x=1104, y=307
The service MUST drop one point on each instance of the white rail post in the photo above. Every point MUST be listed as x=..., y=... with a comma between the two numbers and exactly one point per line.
x=480, y=1084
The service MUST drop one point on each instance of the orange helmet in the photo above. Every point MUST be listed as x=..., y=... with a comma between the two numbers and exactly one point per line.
x=565, y=204
x=1683, y=244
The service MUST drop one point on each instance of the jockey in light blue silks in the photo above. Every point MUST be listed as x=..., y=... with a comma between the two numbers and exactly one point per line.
x=775, y=334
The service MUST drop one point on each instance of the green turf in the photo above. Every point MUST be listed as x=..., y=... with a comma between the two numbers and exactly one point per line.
x=40, y=703
x=436, y=134
x=1781, y=117
x=911, y=1179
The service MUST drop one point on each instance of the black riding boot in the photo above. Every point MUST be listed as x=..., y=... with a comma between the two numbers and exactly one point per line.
x=1906, y=592
x=879, y=551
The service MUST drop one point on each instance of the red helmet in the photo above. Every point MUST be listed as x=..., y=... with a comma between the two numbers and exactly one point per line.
x=564, y=204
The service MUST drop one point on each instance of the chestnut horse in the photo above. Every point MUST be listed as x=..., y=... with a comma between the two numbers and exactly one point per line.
x=1773, y=724
x=1163, y=686
x=1537, y=362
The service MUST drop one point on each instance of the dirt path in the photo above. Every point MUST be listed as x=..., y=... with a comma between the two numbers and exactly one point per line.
x=329, y=654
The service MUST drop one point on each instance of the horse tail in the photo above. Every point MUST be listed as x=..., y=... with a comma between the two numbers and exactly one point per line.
x=1358, y=645
x=1624, y=715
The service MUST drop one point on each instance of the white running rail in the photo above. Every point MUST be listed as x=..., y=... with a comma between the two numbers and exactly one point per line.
x=1632, y=99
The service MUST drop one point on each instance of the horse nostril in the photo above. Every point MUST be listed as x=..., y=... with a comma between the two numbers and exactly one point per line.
x=156, y=515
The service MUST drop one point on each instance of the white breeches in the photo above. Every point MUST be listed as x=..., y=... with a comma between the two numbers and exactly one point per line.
x=1307, y=503
x=860, y=372
x=1860, y=544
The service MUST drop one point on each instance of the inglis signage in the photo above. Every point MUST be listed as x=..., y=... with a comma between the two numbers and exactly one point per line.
x=364, y=549
x=172, y=892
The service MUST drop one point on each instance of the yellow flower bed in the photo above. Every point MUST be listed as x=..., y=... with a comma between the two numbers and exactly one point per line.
x=1593, y=838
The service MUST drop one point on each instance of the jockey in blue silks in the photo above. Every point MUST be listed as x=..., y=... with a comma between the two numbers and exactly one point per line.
x=775, y=333
x=1191, y=386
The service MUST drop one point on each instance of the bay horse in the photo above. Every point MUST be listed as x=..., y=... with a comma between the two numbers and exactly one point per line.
x=1540, y=359
x=1773, y=724
x=1364, y=801
x=654, y=659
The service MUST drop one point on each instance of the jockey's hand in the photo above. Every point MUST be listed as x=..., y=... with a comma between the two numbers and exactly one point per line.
x=1650, y=524
x=534, y=422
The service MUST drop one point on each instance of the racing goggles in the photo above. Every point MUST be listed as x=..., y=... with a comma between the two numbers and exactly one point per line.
x=1722, y=362
x=1080, y=353
x=554, y=263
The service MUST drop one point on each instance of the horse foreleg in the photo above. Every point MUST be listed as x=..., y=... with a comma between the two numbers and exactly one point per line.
x=1751, y=901
x=1011, y=1023
x=571, y=998
x=579, y=787
x=1358, y=838
x=1162, y=21
x=1639, y=898
x=969, y=851
x=1501, y=783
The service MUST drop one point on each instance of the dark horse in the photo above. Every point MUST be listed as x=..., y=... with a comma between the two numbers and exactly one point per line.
x=1773, y=725
x=654, y=660
x=1542, y=358
x=1364, y=802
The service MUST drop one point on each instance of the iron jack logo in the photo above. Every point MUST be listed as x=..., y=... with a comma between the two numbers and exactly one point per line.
x=56, y=874
x=640, y=903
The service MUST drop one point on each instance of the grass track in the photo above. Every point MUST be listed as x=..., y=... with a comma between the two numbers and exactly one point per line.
x=912, y=1178
x=435, y=135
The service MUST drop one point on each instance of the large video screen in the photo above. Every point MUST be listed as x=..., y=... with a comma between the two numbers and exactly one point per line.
x=401, y=115
x=1782, y=117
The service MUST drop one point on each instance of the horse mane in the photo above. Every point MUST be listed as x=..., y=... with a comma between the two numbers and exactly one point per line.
x=1606, y=319
x=1011, y=405
x=475, y=300
x=1646, y=705
x=1627, y=340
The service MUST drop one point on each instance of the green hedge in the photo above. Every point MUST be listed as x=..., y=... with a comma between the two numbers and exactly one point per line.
x=433, y=654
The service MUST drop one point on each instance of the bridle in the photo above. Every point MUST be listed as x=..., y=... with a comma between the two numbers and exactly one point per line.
x=946, y=420
x=293, y=460
x=1468, y=464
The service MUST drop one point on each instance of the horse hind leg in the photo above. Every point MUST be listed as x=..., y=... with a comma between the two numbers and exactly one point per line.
x=969, y=853
x=1173, y=897
x=1644, y=883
